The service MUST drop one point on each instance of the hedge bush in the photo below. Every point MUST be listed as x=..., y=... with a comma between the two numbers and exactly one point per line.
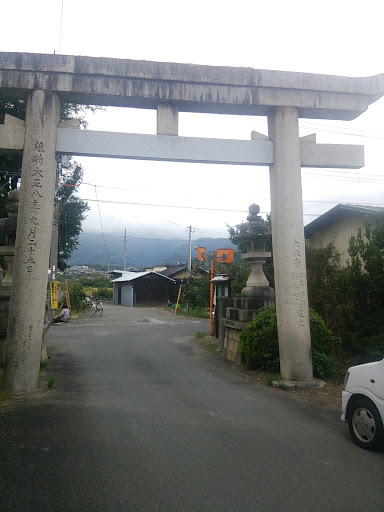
x=259, y=344
x=76, y=296
x=104, y=293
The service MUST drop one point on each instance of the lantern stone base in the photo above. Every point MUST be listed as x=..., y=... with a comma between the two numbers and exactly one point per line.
x=231, y=349
x=238, y=318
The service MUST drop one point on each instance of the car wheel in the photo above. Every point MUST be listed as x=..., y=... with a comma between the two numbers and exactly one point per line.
x=365, y=424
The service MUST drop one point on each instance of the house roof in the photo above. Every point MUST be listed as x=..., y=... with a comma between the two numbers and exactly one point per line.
x=221, y=278
x=131, y=276
x=174, y=269
x=335, y=212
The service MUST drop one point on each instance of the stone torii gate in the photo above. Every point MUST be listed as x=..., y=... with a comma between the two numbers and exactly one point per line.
x=45, y=81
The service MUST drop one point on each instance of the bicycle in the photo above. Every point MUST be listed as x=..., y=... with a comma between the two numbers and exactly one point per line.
x=92, y=306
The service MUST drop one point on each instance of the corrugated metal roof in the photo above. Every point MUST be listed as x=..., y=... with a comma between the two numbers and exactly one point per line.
x=221, y=279
x=310, y=228
x=131, y=276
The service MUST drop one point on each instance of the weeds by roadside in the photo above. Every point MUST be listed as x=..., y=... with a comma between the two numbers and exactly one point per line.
x=51, y=381
x=208, y=342
x=193, y=313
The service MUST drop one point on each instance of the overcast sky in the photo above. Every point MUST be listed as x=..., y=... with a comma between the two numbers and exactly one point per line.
x=339, y=37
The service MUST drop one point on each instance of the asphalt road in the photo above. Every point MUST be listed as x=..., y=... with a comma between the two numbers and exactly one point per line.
x=141, y=418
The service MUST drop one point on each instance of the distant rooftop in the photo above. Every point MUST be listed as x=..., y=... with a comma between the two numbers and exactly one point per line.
x=131, y=276
x=337, y=210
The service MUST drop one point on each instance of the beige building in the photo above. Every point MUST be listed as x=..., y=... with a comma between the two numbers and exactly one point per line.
x=337, y=226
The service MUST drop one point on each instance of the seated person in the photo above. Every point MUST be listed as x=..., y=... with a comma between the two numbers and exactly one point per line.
x=64, y=316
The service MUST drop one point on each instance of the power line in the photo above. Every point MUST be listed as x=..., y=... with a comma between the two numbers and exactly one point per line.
x=166, y=205
x=218, y=209
x=340, y=130
x=61, y=24
x=101, y=223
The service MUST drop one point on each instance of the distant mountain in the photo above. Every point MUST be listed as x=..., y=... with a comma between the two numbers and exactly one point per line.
x=141, y=252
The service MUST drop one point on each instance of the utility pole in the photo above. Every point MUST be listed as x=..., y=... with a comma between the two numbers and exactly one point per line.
x=125, y=249
x=189, y=255
x=190, y=230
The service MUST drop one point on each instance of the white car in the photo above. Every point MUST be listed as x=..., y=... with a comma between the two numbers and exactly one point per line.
x=363, y=404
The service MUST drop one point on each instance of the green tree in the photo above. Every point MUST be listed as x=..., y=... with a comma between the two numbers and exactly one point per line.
x=196, y=288
x=351, y=300
x=364, y=310
x=326, y=283
x=72, y=211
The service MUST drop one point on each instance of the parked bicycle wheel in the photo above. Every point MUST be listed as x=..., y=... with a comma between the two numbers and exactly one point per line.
x=89, y=309
x=99, y=308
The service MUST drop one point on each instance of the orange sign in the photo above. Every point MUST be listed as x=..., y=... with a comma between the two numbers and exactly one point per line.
x=224, y=255
x=201, y=253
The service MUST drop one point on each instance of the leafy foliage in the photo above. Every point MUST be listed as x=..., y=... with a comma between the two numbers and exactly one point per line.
x=259, y=343
x=105, y=293
x=364, y=304
x=196, y=290
x=326, y=283
x=351, y=300
x=76, y=295
x=72, y=213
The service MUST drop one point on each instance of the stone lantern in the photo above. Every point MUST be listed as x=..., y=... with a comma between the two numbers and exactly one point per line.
x=8, y=230
x=256, y=234
x=257, y=292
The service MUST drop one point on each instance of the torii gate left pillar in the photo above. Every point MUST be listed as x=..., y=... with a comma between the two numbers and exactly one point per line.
x=33, y=238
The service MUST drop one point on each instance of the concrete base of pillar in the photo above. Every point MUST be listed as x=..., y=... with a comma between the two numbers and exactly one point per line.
x=291, y=385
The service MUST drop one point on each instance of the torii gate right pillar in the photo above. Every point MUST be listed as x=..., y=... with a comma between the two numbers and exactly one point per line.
x=289, y=247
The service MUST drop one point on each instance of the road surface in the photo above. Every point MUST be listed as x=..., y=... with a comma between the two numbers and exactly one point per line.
x=142, y=419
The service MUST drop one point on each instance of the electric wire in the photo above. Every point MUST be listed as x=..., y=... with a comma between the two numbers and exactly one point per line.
x=61, y=24
x=101, y=223
x=220, y=209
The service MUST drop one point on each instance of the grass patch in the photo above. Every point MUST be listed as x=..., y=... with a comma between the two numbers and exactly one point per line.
x=273, y=378
x=194, y=313
x=270, y=378
x=209, y=343
x=51, y=381
x=43, y=365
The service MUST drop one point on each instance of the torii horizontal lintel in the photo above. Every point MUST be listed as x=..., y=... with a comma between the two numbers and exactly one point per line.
x=181, y=149
x=200, y=150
